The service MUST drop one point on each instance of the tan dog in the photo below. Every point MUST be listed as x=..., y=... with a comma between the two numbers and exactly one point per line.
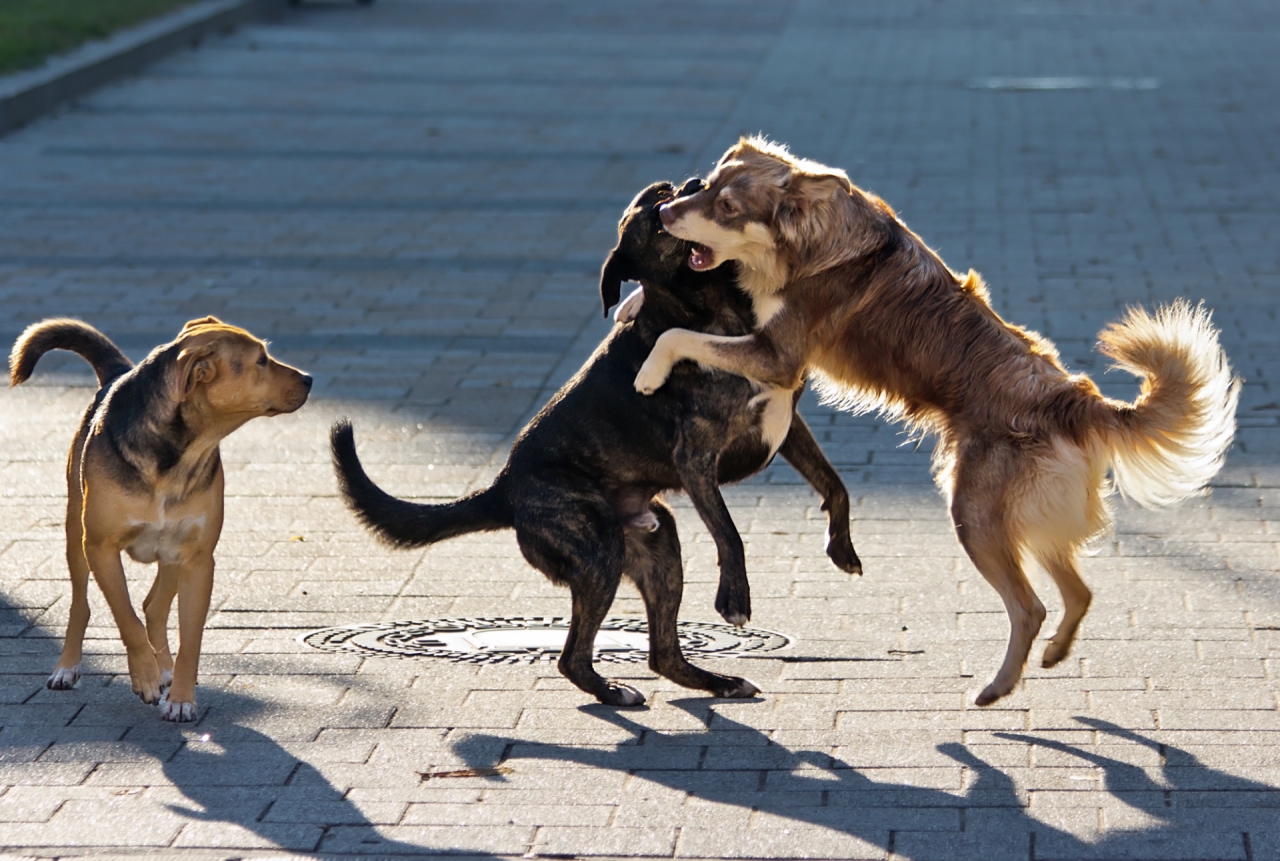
x=842, y=287
x=145, y=476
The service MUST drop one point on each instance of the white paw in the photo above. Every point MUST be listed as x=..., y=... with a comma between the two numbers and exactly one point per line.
x=176, y=712
x=630, y=307
x=166, y=679
x=651, y=377
x=63, y=678
x=625, y=695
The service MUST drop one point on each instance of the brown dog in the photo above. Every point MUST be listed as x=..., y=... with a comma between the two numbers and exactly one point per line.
x=145, y=476
x=843, y=288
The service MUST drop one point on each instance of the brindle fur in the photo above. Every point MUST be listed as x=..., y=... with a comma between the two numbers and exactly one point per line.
x=144, y=476
x=1023, y=445
x=583, y=482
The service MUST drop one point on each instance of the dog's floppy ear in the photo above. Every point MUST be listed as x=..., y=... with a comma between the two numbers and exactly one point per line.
x=617, y=268
x=806, y=209
x=195, y=366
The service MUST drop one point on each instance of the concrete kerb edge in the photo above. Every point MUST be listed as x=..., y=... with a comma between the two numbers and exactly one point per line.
x=24, y=96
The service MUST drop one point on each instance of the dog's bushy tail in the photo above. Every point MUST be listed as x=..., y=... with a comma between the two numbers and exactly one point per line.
x=408, y=524
x=65, y=334
x=1168, y=444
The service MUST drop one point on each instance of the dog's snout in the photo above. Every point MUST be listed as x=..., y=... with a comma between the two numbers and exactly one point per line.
x=666, y=215
x=307, y=381
x=693, y=185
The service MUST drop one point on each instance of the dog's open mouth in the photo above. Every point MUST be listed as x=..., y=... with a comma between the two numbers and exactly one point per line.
x=701, y=258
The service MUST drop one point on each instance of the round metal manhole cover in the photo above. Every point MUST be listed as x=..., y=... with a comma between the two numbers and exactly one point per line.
x=519, y=640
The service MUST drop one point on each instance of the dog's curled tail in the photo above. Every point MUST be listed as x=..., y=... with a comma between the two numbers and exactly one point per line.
x=408, y=524
x=1168, y=444
x=65, y=334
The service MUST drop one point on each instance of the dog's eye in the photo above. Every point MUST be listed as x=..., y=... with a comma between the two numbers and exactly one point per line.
x=262, y=360
x=727, y=206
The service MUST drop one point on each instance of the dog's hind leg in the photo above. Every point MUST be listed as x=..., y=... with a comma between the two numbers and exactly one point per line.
x=576, y=540
x=1076, y=598
x=653, y=562
x=802, y=451
x=67, y=672
x=981, y=525
x=698, y=473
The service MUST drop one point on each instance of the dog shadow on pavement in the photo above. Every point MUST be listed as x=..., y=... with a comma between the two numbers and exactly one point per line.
x=224, y=785
x=1192, y=810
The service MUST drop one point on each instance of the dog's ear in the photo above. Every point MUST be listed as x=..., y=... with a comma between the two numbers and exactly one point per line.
x=617, y=268
x=195, y=366
x=806, y=208
x=203, y=321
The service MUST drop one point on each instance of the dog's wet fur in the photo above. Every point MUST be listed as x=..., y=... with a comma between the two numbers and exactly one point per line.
x=144, y=476
x=843, y=289
x=582, y=486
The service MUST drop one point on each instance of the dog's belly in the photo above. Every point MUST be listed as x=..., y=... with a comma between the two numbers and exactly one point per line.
x=165, y=540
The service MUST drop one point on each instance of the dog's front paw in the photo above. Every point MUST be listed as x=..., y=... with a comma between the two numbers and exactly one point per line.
x=630, y=307
x=63, y=678
x=620, y=695
x=175, y=711
x=653, y=375
x=840, y=550
x=144, y=675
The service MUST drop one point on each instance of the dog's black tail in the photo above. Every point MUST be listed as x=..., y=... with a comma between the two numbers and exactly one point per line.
x=409, y=524
x=64, y=334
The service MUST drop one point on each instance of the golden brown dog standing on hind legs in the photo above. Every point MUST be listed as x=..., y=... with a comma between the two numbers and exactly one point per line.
x=842, y=288
x=145, y=476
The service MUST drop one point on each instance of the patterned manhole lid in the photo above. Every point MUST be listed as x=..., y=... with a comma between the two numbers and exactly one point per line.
x=520, y=639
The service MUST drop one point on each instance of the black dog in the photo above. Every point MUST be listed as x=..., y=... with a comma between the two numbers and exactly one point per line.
x=582, y=482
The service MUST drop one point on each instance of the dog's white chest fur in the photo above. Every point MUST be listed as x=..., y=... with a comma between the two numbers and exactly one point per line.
x=163, y=540
x=775, y=418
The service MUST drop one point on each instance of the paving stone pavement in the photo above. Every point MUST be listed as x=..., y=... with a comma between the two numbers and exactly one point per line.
x=412, y=201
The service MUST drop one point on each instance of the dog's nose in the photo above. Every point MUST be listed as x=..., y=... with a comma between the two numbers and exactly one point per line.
x=307, y=381
x=665, y=215
x=692, y=185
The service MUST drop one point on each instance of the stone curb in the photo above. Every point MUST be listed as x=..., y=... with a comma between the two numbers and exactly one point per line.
x=26, y=95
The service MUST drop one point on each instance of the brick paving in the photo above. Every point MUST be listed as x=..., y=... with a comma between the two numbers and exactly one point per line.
x=412, y=201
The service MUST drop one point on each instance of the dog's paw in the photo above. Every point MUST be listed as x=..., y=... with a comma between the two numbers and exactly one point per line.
x=166, y=679
x=630, y=307
x=737, y=689
x=1054, y=653
x=621, y=695
x=990, y=694
x=733, y=607
x=63, y=678
x=653, y=376
x=840, y=550
x=176, y=712
x=144, y=676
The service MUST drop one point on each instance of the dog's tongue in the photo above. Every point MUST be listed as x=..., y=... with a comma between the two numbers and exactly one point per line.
x=701, y=257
